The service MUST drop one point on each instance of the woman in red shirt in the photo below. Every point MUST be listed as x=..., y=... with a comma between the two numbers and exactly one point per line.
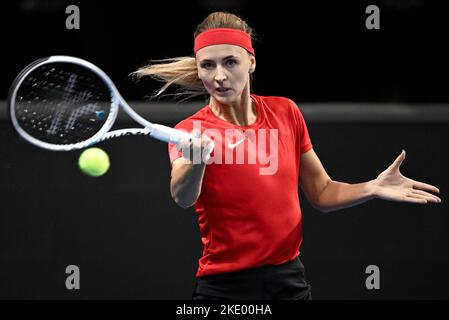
x=245, y=189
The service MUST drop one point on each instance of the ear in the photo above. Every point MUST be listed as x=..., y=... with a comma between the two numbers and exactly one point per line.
x=252, y=64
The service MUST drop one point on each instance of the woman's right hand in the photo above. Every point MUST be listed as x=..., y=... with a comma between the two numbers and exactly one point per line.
x=198, y=149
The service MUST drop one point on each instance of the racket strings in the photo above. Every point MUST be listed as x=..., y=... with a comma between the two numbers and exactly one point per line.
x=61, y=103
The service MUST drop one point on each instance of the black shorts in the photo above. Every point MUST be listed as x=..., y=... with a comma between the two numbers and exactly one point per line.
x=272, y=282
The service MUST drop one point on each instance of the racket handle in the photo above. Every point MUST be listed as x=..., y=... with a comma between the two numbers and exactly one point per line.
x=168, y=134
x=175, y=136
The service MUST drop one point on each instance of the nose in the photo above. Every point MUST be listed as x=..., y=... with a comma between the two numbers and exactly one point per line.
x=220, y=75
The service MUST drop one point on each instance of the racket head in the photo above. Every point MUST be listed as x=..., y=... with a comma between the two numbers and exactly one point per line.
x=62, y=103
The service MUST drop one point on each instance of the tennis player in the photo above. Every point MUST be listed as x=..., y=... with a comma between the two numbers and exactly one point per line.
x=246, y=194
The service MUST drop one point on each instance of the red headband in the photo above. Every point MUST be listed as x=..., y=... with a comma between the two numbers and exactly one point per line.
x=223, y=36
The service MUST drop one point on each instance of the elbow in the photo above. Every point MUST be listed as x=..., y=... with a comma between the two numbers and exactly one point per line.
x=180, y=201
x=320, y=201
x=321, y=208
x=324, y=210
x=184, y=197
x=175, y=196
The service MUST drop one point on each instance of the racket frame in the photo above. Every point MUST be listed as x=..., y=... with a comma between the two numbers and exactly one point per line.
x=156, y=131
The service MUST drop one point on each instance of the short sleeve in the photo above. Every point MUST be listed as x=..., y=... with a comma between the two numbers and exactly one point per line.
x=301, y=131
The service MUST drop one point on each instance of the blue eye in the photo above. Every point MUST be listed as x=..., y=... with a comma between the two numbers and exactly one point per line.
x=206, y=65
x=231, y=62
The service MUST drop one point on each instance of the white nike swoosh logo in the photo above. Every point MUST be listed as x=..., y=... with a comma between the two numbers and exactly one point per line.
x=233, y=145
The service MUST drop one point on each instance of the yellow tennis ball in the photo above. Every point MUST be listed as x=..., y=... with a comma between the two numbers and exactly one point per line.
x=94, y=162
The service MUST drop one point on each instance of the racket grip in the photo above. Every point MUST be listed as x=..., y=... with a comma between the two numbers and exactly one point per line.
x=168, y=134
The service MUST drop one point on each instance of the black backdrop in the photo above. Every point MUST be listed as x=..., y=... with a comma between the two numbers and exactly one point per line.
x=309, y=51
x=129, y=238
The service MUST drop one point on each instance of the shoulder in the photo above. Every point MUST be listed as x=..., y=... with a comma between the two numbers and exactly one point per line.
x=278, y=104
x=275, y=101
x=272, y=100
x=284, y=108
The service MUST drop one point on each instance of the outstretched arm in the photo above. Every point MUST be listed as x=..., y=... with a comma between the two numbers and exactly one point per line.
x=328, y=195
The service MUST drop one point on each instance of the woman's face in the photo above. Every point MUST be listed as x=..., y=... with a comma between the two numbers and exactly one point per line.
x=224, y=70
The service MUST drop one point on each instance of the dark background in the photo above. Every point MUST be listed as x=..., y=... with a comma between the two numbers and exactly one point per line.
x=307, y=50
x=124, y=231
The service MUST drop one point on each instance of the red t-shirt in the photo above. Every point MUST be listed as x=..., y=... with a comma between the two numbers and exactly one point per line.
x=248, y=211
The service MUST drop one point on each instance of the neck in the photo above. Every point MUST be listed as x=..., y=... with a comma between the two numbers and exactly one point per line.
x=241, y=112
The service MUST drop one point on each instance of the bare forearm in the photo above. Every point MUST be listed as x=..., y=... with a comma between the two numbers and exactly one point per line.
x=338, y=195
x=186, y=184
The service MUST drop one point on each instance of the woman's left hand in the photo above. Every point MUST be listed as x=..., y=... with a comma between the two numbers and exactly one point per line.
x=392, y=185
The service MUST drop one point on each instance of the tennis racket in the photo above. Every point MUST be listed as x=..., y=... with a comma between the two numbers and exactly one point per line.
x=64, y=103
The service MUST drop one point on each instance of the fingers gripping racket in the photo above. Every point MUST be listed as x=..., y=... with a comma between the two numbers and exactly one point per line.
x=64, y=103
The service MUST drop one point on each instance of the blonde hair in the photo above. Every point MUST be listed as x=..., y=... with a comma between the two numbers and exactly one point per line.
x=182, y=71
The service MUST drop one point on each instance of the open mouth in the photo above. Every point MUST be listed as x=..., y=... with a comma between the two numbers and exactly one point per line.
x=223, y=89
